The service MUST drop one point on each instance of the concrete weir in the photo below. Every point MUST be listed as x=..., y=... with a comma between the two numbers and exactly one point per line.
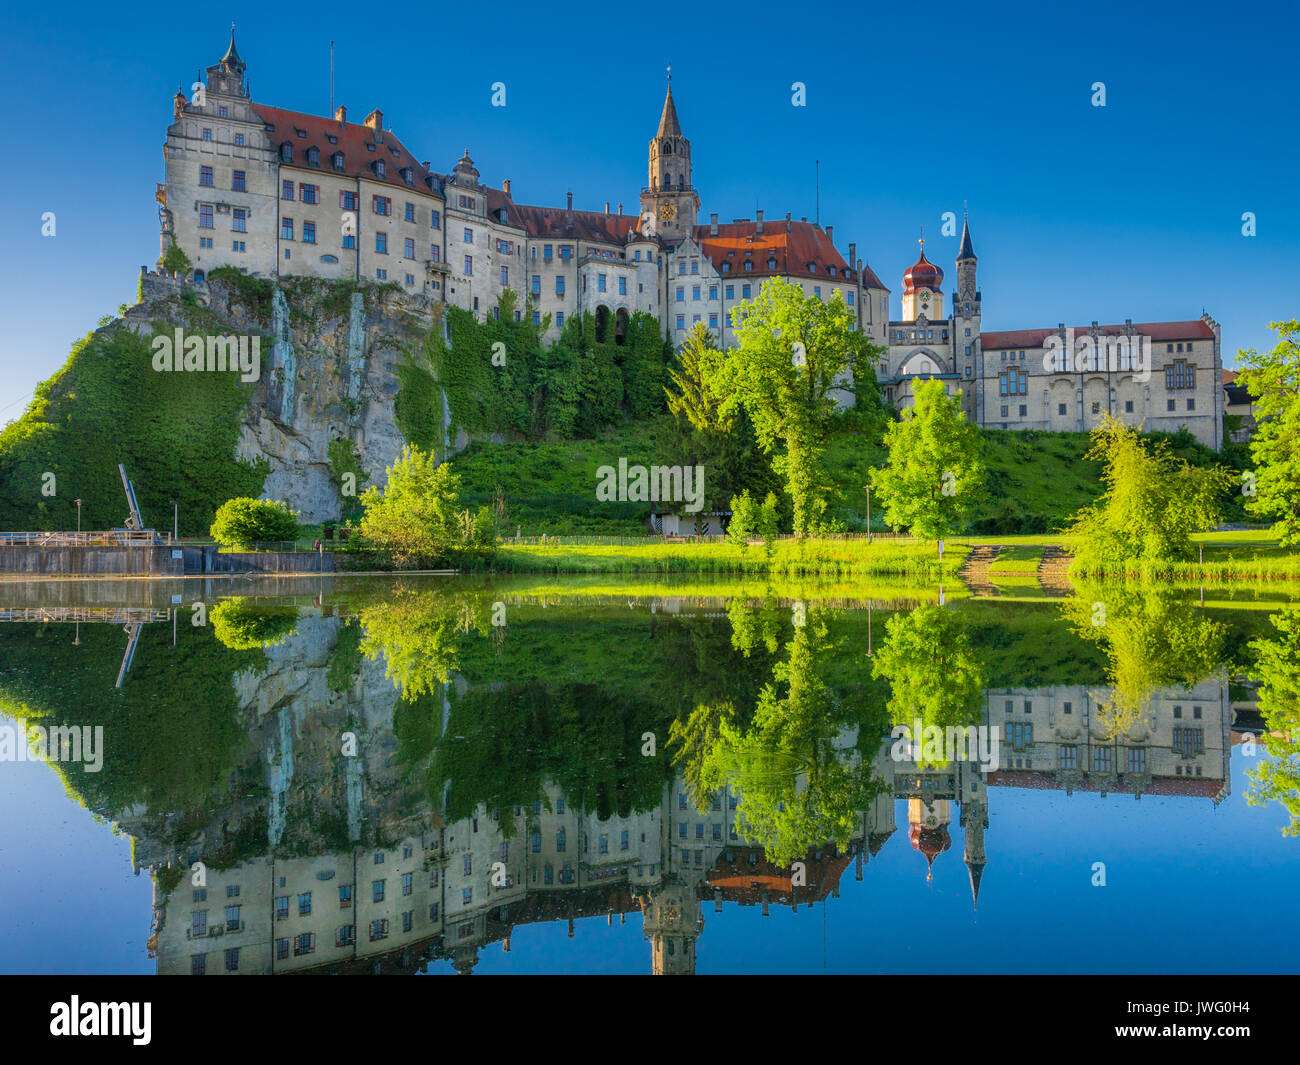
x=69, y=561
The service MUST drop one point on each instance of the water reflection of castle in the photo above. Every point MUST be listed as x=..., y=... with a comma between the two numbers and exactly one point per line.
x=446, y=891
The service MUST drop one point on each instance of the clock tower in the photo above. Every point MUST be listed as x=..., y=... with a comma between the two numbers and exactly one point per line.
x=669, y=202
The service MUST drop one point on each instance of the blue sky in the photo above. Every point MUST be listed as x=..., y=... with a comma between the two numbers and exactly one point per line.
x=1078, y=212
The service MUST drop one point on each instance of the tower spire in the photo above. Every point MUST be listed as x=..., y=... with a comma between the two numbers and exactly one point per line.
x=967, y=251
x=669, y=126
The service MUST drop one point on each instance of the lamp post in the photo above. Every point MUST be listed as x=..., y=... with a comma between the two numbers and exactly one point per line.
x=78, y=502
x=175, y=522
x=868, y=514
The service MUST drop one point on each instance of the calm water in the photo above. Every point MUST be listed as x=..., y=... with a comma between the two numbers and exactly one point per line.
x=439, y=775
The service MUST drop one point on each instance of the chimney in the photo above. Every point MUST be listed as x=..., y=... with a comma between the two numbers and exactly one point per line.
x=505, y=186
x=830, y=234
x=713, y=224
x=374, y=120
x=853, y=254
x=859, y=266
x=787, y=221
x=620, y=208
x=758, y=224
x=341, y=115
x=607, y=207
x=568, y=214
x=804, y=218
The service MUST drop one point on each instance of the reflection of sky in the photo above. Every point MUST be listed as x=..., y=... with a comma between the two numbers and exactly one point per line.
x=1190, y=888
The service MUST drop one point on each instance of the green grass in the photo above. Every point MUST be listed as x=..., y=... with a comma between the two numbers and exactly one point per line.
x=833, y=558
x=1016, y=559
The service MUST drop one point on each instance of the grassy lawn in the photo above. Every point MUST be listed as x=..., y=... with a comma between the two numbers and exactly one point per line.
x=1016, y=559
x=908, y=558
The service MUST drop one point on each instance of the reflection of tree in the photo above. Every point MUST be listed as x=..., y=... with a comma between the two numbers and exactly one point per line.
x=796, y=787
x=244, y=624
x=934, y=673
x=1277, y=667
x=1152, y=640
x=416, y=634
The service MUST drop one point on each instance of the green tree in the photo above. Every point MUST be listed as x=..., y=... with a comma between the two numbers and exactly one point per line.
x=689, y=398
x=1151, y=502
x=415, y=521
x=242, y=624
x=242, y=521
x=934, y=474
x=1274, y=381
x=1277, y=668
x=792, y=351
x=175, y=261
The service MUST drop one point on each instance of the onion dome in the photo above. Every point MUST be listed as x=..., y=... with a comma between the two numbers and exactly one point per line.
x=922, y=274
x=930, y=842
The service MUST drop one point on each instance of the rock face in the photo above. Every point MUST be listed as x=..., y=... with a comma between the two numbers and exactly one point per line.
x=329, y=371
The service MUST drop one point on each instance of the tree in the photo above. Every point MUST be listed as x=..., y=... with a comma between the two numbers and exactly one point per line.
x=1277, y=668
x=791, y=352
x=242, y=522
x=415, y=520
x=689, y=398
x=175, y=261
x=934, y=471
x=1274, y=382
x=1151, y=501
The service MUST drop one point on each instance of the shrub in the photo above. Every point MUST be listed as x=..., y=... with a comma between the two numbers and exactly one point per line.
x=245, y=521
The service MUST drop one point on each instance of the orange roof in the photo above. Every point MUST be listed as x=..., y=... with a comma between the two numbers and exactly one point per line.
x=784, y=248
x=1204, y=787
x=354, y=140
x=587, y=225
x=1229, y=376
x=1033, y=338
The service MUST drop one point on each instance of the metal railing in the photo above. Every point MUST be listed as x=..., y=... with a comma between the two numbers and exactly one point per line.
x=99, y=538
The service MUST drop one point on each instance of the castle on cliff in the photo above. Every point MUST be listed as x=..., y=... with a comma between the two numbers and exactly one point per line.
x=283, y=193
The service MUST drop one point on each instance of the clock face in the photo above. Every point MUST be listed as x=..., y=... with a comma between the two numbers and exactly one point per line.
x=667, y=212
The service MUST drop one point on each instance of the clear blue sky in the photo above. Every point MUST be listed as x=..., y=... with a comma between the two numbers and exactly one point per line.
x=1077, y=212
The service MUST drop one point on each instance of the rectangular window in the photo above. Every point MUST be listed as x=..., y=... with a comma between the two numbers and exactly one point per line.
x=744, y=292
x=379, y=929
x=349, y=241
x=467, y=896
x=681, y=293
x=1189, y=741
x=408, y=247
x=309, y=232
x=681, y=321
x=239, y=140
x=198, y=964
x=309, y=193
x=199, y=923
x=232, y=918
x=345, y=896
x=286, y=190
x=559, y=320
x=304, y=904
x=559, y=286
x=282, y=908
x=1069, y=756
x=305, y=944
x=409, y=215
x=713, y=321
x=600, y=282
x=346, y=935
x=536, y=284
x=695, y=292
x=469, y=236
x=381, y=243
x=730, y=292
x=205, y=216
x=205, y=176
x=377, y=891
x=505, y=276
x=281, y=949
x=435, y=219
x=1102, y=760
x=381, y=205
x=286, y=229
x=239, y=220
x=237, y=183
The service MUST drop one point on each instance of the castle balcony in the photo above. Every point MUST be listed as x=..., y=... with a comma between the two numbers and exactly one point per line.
x=666, y=188
x=432, y=267
x=161, y=194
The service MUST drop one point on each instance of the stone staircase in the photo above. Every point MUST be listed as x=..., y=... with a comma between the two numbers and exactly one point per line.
x=1053, y=572
x=974, y=572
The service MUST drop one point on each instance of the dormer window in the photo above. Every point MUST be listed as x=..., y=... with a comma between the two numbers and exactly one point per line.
x=381, y=169
x=830, y=270
x=726, y=268
x=370, y=147
x=286, y=152
x=313, y=156
x=812, y=268
x=336, y=160
x=331, y=138
x=301, y=133
x=269, y=127
x=771, y=263
x=749, y=264
x=408, y=176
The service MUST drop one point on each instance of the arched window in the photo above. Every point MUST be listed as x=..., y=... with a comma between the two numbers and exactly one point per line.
x=286, y=152
x=313, y=156
x=668, y=179
x=336, y=160
x=668, y=147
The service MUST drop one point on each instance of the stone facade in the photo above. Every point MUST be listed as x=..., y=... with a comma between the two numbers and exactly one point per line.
x=281, y=193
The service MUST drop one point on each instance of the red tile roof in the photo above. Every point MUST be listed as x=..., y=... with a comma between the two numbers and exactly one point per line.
x=1033, y=338
x=587, y=225
x=793, y=250
x=353, y=138
x=1203, y=787
x=1229, y=377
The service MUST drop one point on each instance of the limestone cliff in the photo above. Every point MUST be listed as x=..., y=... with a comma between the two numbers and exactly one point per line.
x=330, y=353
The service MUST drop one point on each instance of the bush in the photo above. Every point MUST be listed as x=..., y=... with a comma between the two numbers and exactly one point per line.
x=175, y=261
x=242, y=624
x=245, y=521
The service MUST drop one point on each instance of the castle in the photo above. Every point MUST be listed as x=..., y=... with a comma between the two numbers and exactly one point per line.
x=276, y=192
